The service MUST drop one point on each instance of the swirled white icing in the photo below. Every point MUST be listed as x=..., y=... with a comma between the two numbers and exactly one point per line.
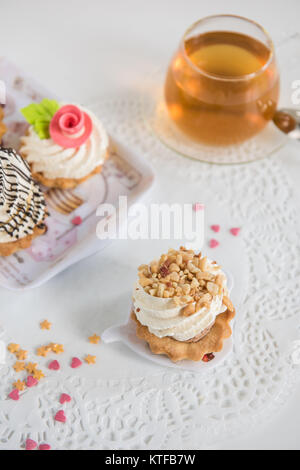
x=54, y=161
x=163, y=318
x=22, y=204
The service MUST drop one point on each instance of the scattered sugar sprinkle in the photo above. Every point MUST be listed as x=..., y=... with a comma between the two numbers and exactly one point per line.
x=60, y=417
x=64, y=398
x=77, y=220
x=76, y=362
x=215, y=228
x=90, y=359
x=45, y=325
x=94, y=339
x=19, y=385
x=214, y=243
x=235, y=231
x=13, y=348
x=30, y=444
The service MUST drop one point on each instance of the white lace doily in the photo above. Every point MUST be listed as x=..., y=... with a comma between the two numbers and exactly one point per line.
x=169, y=409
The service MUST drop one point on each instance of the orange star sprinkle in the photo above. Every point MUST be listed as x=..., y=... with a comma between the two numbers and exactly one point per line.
x=19, y=385
x=19, y=366
x=38, y=374
x=58, y=348
x=94, y=339
x=90, y=359
x=22, y=354
x=31, y=367
x=45, y=325
x=13, y=348
x=42, y=351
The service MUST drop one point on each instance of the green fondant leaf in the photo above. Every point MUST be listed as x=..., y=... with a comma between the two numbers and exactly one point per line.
x=39, y=115
x=42, y=129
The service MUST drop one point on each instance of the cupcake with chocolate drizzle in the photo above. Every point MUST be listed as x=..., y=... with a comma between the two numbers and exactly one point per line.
x=22, y=204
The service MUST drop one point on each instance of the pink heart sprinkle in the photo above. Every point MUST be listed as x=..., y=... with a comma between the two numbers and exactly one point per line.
x=198, y=207
x=213, y=243
x=14, y=395
x=45, y=447
x=65, y=398
x=30, y=444
x=76, y=363
x=216, y=228
x=54, y=365
x=235, y=231
x=77, y=221
x=60, y=416
x=31, y=381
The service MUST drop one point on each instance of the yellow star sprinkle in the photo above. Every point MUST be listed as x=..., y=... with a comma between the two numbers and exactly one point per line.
x=31, y=367
x=19, y=385
x=58, y=348
x=42, y=351
x=13, y=348
x=90, y=359
x=38, y=374
x=19, y=366
x=94, y=339
x=22, y=354
x=45, y=325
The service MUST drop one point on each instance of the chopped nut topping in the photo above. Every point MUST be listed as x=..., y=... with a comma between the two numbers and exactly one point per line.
x=212, y=288
x=174, y=276
x=203, y=264
x=192, y=268
x=227, y=302
x=154, y=268
x=186, y=277
x=160, y=290
x=174, y=268
x=205, y=276
x=189, y=310
x=144, y=281
x=164, y=269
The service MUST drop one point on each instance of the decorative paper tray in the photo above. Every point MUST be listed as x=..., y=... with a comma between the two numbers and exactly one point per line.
x=64, y=244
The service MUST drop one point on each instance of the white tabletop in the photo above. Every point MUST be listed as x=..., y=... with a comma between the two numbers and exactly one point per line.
x=82, y=50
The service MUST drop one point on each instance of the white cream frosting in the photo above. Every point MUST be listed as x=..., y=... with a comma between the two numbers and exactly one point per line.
x=163, y=318
x=22, y=204
x=54, y=161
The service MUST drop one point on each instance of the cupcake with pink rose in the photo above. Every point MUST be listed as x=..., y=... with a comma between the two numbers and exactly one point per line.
x=64, y=145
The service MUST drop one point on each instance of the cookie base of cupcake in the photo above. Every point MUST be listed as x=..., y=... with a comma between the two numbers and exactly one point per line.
x=200, y=336
x=3, y=128
x=8, y=249
x=63, y=183
x=194, y=351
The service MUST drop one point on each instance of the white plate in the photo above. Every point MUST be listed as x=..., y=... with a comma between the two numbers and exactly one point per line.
x=127, y=335
x=64, y=244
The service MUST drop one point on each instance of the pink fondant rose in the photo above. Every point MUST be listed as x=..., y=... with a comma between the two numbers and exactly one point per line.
x=70, y=127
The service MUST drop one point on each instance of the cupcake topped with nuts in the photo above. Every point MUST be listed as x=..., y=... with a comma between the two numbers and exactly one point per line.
x=177, y=302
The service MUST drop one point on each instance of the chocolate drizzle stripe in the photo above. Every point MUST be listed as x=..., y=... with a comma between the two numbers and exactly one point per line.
x=22, y=204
